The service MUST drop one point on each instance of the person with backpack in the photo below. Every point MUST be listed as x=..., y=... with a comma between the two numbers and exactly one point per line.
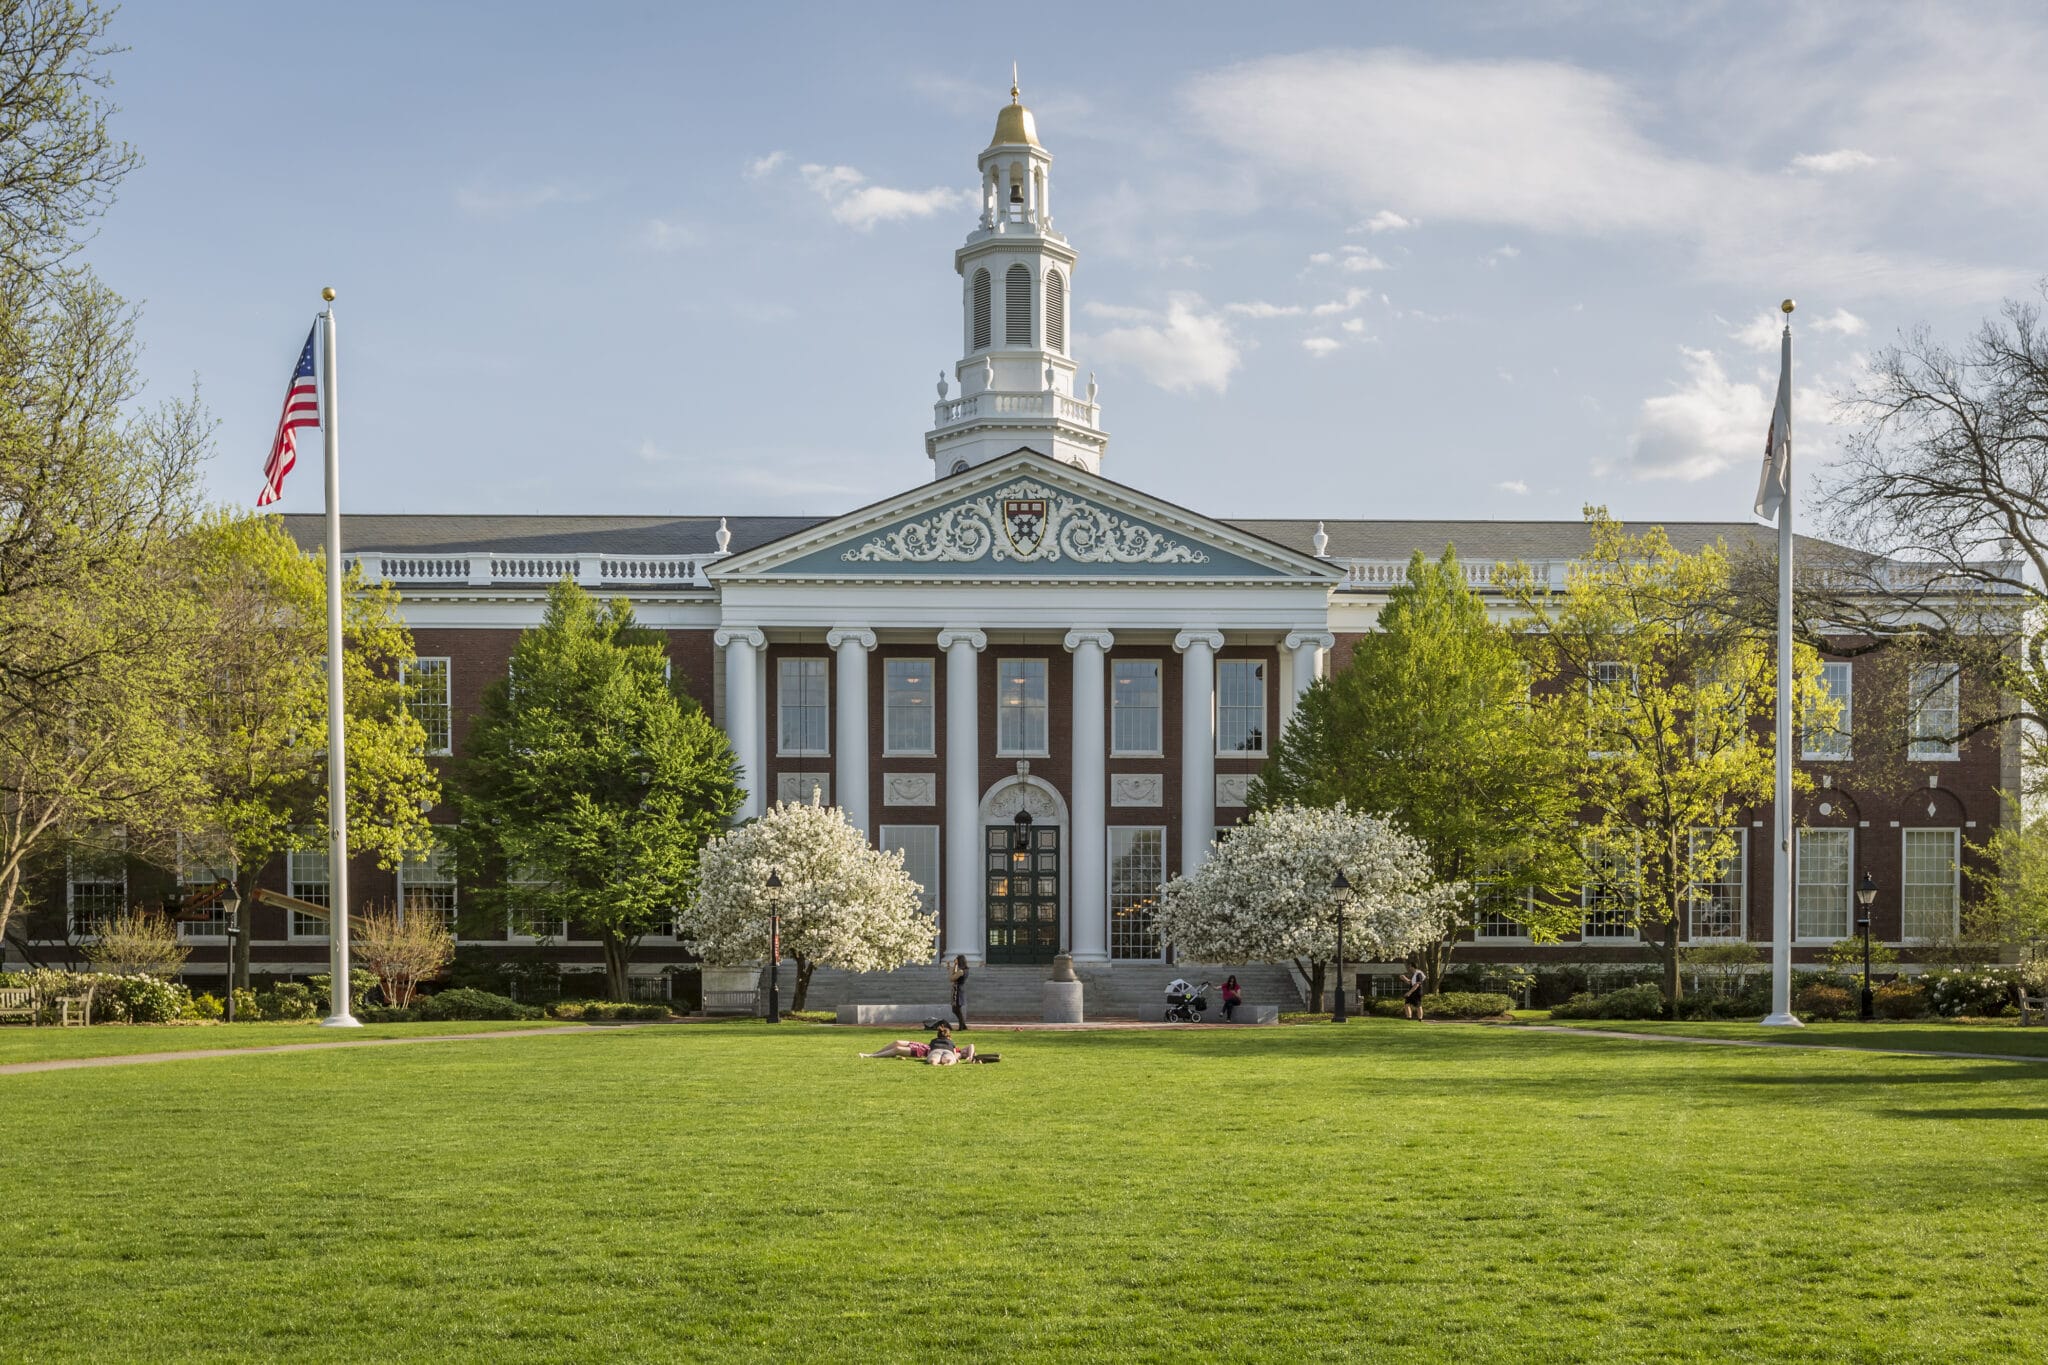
x=1411, y=1003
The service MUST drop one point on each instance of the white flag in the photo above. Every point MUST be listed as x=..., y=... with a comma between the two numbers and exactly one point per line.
x=1775, y=486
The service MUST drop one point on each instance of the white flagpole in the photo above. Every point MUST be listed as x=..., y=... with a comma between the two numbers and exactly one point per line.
x=1781, y=854
x=338, y=1015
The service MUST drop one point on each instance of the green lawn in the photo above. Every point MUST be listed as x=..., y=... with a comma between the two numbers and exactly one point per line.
x=19, y=1044
x=2000, y=1036
x=737, y=1192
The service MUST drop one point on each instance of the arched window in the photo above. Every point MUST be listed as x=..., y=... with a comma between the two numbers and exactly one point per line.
x=1017, y=306
x=981, y=310
x=1055, y=311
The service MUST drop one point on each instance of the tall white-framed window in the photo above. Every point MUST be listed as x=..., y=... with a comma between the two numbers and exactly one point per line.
x=1500, y=910
x=525, y=920
x=1819, y=740
x=306, y=879
x=1936, y=711
x=204, y=862
x=1930, y=887
x=907, y=706
x=1137, y=872
x=1822, y=859
x=1020, y=707
x=1607, y=898
x=427, y=699
x=1719, y=905
x=426, y=886
x=803, y=708
x=1609, y=686
x=919, y=845
x=1134, y=729
x=95, y=879
x=1240, y=706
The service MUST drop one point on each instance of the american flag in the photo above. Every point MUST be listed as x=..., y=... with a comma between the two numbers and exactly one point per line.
x=301, y=409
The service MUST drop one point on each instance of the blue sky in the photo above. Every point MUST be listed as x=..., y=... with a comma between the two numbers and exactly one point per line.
x=1336, y=260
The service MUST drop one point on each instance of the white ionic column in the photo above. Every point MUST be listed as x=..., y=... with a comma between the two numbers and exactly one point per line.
x=1087, y=803
x=964, y=903
x=1307, y=647
x=1197, y=649
x=850, y=773
x=744, y=725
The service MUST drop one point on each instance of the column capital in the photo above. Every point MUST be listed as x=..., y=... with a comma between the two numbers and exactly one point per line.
x=744, y=635
x=1089, y=635
x=1317, y=639
x=849, y=635
x=955, y=635
x=1188, y=639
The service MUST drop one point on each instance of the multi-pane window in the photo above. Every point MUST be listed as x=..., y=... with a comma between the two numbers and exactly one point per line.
x=524, y=917
x=426, y=886
x=1240, y=707
x=1819, y=739
x=305, y=879
x=1020, y=706
x=1134, y=707
x=1608, y=895
x=427, y=699
x=1929, y=893
x=804, y=714
x=1610, y=686
x=1137, y=871
x=919, y=845
x=204, y=862
x=96, y=879
x=1936, y=712
x=1820, y=884
x=1500, y=908
x=1719, y=903
x=907, y=706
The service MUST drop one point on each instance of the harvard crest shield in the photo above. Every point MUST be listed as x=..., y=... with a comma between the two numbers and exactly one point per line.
x=1024, y=523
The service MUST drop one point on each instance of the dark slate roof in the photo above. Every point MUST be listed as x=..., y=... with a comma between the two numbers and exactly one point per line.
x=436, y=533
x=1489, y=540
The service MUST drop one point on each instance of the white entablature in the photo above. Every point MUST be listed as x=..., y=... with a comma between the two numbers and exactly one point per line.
x=1016, y=378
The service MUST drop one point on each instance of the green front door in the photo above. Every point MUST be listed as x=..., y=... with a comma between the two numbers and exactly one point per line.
x=1023, y=895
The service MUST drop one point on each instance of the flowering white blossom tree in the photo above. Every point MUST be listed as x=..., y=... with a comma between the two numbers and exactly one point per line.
x=1264, y=895
x=842, y=903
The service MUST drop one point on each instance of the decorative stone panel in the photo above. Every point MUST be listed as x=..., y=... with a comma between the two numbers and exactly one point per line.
x=1231, y=788
x=1137, y=789
x=910, y=789
x=799, y=786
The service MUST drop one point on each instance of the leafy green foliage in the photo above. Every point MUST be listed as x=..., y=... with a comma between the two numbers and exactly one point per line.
x=464, y=1003
x=1467, y=1005
x=1630, y=1002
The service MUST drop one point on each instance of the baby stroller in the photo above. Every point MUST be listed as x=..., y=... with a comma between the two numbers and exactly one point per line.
x=1185, y=1004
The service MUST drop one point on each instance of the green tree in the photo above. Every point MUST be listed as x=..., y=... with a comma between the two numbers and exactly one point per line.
x=1434, y=724
x=1672, y=696
x=2012, y=905
x=589, y=784
x=261, y=716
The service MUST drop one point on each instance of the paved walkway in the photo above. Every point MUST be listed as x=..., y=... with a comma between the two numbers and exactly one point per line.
x=136, y=1059
x=1786, y=1047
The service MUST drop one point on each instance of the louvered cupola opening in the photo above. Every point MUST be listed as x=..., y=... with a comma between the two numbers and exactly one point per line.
x=1017, y=306
x=982, y=331
x=1056, y=311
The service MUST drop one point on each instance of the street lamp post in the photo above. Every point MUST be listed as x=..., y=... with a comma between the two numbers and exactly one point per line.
x=774, y=945
x=232, y=905
x=1866, y=896
x=1340, y=884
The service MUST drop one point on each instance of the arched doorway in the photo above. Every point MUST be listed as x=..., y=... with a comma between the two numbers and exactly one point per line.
x=1024, y=890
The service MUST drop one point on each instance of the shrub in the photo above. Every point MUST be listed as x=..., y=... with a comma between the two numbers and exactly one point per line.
x=1630, y=1002
x=1823, y=1001
x=1900, y=1000
x=288, y=1002
x=245, y=1005
x=384, y=1014
x=2033, y=973
x=205, y=1007
x=401, y=951
x=595, y=1010
x=1959, y=991
x=1382, y=1007
x=465, y=1002
x=1752, y=1003
x=137, y=942
x=141, y=1000
x=1467, y=1005
x=360, y=983
x=812, y=1016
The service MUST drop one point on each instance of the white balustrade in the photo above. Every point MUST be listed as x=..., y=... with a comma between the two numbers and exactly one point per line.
x=592, y=570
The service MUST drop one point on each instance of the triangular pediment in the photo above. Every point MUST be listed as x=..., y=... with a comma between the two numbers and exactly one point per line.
x=1023, y=517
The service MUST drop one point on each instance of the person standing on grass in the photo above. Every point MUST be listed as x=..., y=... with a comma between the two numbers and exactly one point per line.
x=1232, y=998
x=956, y=972
x=1411, y=1003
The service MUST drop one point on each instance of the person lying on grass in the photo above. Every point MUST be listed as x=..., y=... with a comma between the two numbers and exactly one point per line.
x=940, y=1051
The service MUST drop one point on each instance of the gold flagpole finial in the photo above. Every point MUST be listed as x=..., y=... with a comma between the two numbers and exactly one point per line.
x=1013, y=83
x=1786, y=307
x=328, y=293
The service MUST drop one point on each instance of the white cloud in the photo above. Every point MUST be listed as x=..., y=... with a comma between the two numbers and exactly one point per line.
x=1352, y=298
x=508, y=201
x=1258, y=308
x=1320, y=346
x=767, y=165
x=1504, y=252
x=1189, y=347
x=667, y=234
x=1515, y=486
x=1386, y=220
x=1357, y=258
x=1355, y=326
x=1763, y=331
x=1705, y=425
x=1834, y=163
x=853, y=201
x=1842, y=321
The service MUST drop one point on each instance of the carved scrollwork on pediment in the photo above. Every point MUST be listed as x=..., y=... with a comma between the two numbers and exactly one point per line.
x=1025, y=522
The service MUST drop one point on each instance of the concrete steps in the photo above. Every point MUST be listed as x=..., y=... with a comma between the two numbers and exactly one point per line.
x=1123, y=990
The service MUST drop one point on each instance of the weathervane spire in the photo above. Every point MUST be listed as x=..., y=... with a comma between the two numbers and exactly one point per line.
x=1013, y=84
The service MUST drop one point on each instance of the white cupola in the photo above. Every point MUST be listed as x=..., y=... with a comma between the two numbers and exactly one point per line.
x=1016, y=376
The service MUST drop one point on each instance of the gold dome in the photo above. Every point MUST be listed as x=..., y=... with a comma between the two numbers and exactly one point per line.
x=1014, y=125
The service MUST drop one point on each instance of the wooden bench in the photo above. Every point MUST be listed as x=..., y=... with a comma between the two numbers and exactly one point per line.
x=732, y=1002
x=17, y=1003
x=2032, y=1007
